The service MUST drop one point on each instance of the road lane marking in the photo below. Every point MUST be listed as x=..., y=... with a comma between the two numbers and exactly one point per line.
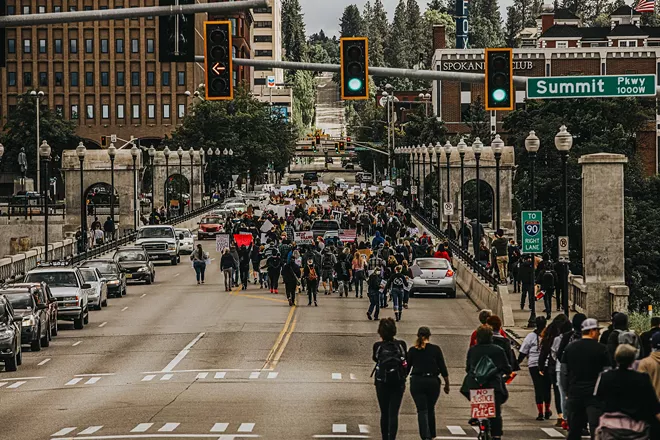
x=103, y=324
x=209, y=370
x=24, y=378
x=16, y=384
x=171, y=436
x=201, y=375
x=254, y=375
x=168, y=427
x=182, y=354
x=336, y=376
x=45, y=361
x=176, y=275
x=285, y=341
x=246, y=427
x=338, y=428
x=94, y=374
x=364, y=429
x=348, y=436
x=142, y=427
x=63, y=431
x=167, y=377
x=456, y=430
x=90, y=430
x=353, y=376
x=220, y=375
x=124, y=309
x=76, y=343
x=272, y=375
x=552, y=432
x=74, y=381
x=92, y=380
x=220, y=427
x=148, y=377
x=143, y=295
x=2, y=384
x=476, y=429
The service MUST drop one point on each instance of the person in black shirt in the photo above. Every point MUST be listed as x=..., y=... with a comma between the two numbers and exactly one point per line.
x=291, y=278
x=646, y=337
x=425, y=363
x=390, y=393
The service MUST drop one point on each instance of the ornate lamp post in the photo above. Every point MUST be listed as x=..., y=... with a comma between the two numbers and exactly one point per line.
x=112, y=152
x=462, y=148
x=38, y=95
x=497, y=146
x=152, y=153
x=432, y=158
x=180, y=153
x=167, y=152
x=191, y=152
x=202, y=175
x=135, y=151
x=81, y=151
x=422, y=181
x=477, y=148
x=44, y=155
x=209, y=160
x=448, y=156
x=563, y=143
x=22, y=163
x=532, y=144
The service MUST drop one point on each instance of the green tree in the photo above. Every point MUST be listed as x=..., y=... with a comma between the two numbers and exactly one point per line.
x=421, y=129
x=378, y=34
x=478, y=121
x=304, y=99
x=293, y=31
x=513, y=26
x=414, y=36
x=396, y=50
x=351, y=22
x=20, y=130
x=436, y=5
x=485, y=24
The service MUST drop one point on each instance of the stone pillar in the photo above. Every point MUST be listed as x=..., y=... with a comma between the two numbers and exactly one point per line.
x=603, y=232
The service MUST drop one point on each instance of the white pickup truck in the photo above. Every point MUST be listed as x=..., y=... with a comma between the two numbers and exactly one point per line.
x=161, y=242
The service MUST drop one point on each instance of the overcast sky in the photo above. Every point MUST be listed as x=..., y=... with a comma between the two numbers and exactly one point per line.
x=325, y=14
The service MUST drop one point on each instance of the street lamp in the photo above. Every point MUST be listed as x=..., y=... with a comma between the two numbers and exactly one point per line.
x=432, y=158
x=191, y=152
x=218, y=163
x=422, y=182
x=179, y=151
x=202, y=175
x=477, y=148
x=438, y=151
x=497, y=146
x=22, y=163
x=462, y=147
x=418, y=150
x=426, y=97
x=152, y=152
x=563, y=143
x=38, y=96
x=81, y=151
x=44, y=154
x=229, y=153
x=448, y=156
x=532, y=144
x=209, y=161
x=112, y=152
x=135, y=151
x=166, y=152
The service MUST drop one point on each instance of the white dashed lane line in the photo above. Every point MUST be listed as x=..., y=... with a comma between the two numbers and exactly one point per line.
x=76, y=343
x=44, y=362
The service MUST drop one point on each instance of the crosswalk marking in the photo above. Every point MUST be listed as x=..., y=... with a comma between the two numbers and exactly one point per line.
x=74, y=381
x=44, y=362
x=456, y=430
x=90, y=430
x=220, y=375
x=353, y=376
x=167, y=377
x=168, y=427
x=201, y=375
x=220, y=427
x=92, y=380
x=272, y=375
x=2, y=384
x=552, y=432
x=255, y=375
x=16, y=384
x=364, y=429
x=339, y=428
x=336, y=376
x=63, y=431
x=148, y=377
x=142, y=427
x=476, y=429
x=246, y=427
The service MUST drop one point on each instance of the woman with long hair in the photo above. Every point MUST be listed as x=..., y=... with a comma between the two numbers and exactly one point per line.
x=359, y=264
x=426, y=364
x=557, y=327
x=198, y=258
x=531, y=348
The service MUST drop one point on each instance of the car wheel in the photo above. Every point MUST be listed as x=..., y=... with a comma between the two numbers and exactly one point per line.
x=19, y=357
x=55, y=329
x=78, y=322
x=452, y=294
x=11, y=364
x=149, y=280
x=175, y=261
x=45, y=341
x=86, y=317
x=36, y=345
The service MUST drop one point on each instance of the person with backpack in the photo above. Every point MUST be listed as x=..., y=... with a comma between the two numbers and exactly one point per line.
x=487, y=366
x=343, y=272
x=395, y=285
x=328, y=262
x=373, y=292
x=311, y=277
x=274, y=264
x=425, y=364
x=621, y=335
x=390, y=375
x=291, y=278
x=531, y=348
x=547, y=279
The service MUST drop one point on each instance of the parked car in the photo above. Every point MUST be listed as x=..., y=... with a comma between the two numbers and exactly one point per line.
x=10, y=336
x=210, y=226
x=310, y=177
x=295, y=181
x=114, y=275
x=433, y=276
x=99, y=296
x=42, y=294
x=187, y=244
x=35, y=325
x=136, y=264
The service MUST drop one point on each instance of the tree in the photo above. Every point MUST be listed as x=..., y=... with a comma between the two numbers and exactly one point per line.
x=396, y=50
x=436, y=5
x=478, y=121
x=304, y=99
x=414, y=36
x=486, y=24
x=20, y=130
x=421, y=129
x=351, y=22
x=378, y=34
x=293, y=31
x=513, y=26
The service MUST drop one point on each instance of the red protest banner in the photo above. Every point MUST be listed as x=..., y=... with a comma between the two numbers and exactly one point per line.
x=243, y=239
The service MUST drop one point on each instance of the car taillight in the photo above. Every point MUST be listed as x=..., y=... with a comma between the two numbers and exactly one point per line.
x=450, y=273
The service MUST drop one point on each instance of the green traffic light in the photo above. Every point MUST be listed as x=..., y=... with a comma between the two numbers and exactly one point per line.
x=354, y=84
x=499, y=95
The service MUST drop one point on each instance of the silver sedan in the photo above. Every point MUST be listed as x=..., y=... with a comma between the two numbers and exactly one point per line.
x=433, y=276
x=99, y=295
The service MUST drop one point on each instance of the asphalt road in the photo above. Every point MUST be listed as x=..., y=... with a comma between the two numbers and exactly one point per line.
x=178, y=360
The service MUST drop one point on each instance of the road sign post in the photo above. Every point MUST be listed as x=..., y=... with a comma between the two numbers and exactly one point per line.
x=532, y=232
x=448, y=208
x=563, y=248
x=604, y=86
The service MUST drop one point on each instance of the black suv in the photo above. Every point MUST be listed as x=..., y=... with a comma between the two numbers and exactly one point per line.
x=135, y=262
x=112, y=272
x=10, y=336
x=35, y=327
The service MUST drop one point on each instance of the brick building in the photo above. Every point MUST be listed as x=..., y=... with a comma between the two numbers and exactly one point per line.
x=241, y=27
x=582, y=54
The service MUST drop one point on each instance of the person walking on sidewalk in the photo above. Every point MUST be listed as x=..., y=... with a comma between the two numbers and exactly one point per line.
x=397, y=282
x=527, y=279
x=425, y=364
x=501, y=246
x=531, y=348
x=198, y=258
x=373, y=292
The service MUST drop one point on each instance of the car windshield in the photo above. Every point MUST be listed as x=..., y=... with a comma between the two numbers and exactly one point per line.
x=212, y=221
x=310, y=176
x=155, y=233
x=53, y=279
x=89, y=275
x=102, y=266
x=130, y=256
x=21, y=300
x=435, y=263
x=325, y=226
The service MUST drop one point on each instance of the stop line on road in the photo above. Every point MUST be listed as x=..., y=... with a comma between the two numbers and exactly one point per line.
x=238, y=430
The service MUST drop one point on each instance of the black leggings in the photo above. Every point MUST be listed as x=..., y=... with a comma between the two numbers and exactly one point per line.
x=389, y=401
x=541, y=385
x=555, y=388
x=291, y=291
x=425, y=392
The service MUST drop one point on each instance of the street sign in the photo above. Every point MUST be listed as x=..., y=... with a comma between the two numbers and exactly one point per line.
x=398, y=181
x=563, y=248
x=448, y=208
x=113, y=138
x=413, y=190
x=532, y=232
x=605, y=86
x=270, y=82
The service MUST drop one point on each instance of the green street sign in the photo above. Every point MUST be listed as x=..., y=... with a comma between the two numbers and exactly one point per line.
x=532, y=232
x=606, y=86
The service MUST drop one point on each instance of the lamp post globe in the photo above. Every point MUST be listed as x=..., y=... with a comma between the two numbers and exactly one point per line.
x=563, y=139
x=532, y=142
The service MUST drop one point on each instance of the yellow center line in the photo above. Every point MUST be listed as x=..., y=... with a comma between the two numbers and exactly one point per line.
x=278, y=341
x=277, y=357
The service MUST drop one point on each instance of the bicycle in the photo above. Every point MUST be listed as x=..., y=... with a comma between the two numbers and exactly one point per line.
x=484, y=428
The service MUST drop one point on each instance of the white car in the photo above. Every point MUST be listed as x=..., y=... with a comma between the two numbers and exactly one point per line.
x=433, y=276
x=187, y=245
x=238, y=207
x=98, y=297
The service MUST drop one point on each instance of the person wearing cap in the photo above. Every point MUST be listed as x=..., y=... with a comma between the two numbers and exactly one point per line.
x=581, y=364
x=651, y=364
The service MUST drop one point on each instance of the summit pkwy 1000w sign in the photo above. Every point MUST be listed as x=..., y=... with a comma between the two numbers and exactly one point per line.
x=606, y=86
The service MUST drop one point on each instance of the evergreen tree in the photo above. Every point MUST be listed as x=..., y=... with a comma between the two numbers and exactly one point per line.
x=293, y=31
x=378, y=34
x=367, y=18
x=486, y=24
x=415, y=48
x=395, y=51
x=351, y=22
x=513, y=26
x=478, y=121
x=436, y=5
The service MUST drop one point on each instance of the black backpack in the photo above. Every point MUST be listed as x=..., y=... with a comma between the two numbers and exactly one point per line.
x=391, y=366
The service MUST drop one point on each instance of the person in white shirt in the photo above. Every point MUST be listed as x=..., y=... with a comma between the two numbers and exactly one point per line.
x=531, y=348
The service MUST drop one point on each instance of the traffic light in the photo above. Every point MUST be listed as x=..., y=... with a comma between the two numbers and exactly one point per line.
x=177, y=35
x=318, y=140
x=354, y=68
x=342, y=148
x=336, y=147
x=499, y=79
x=348, y=142
x=313, y=147
x=104, y=141
x=218, y=60
x=3, y=41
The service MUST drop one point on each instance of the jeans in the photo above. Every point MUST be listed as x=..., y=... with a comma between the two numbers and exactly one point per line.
x=383, y=299
x=359, y=284
x=547, y=299
x=342, y=286
x=562, y=395
x=528, y=295
x=291, y=291
x=234, y=277
x=389, y=401
x=397, y=299
x=200, y=268
x=582, y=410
x=406, y=296
x=374, y=303
x=228, y=274
x=312, y=290
x=425, y=391
x=554, y=381
x=542, y=385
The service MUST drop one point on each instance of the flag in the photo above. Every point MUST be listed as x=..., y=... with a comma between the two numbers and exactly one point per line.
x=645, y=6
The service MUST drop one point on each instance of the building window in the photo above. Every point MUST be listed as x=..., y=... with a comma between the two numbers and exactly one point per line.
x=59, y=110
x=465, y=112
x=73, y=8
x=181, y=78
x=11, y=78
x=57, y=8
x=43, y=79
x=89, y=78
x=264, y=10
x=182, y=111
x=42, y=46
x=135, y=78
x=628, y=43
x=104, y=46
x=58, y=46
x=165, y=78
x=105, y=79
x=263, y=38
x=90, y=111
x=89, y=46
x=260, y=81
x=120, y=111
x=120, y=79
x=263, y=24
x=105, y=111
x=151, y=111
x=166, y=111
x=263, y=53
x=151, y=78
x=74, y=111
x=11, y=10
x=562, y=45
x=27, y=45
x=74, y=79
x=150, y=46
x=135, y=46
x=119, y=45
x=234, y=26
x=136, y=111
x=26, y=10
x=11, y=46
x=73, y=46
x=59, y=78
x=42, y=9
x=27, y=79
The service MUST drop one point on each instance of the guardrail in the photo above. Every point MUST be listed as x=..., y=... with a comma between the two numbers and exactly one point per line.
x=577, y=294
x=14, y=267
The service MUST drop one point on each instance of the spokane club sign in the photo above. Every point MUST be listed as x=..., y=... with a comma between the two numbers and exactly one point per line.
x=478, y=66
x=606, y=86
